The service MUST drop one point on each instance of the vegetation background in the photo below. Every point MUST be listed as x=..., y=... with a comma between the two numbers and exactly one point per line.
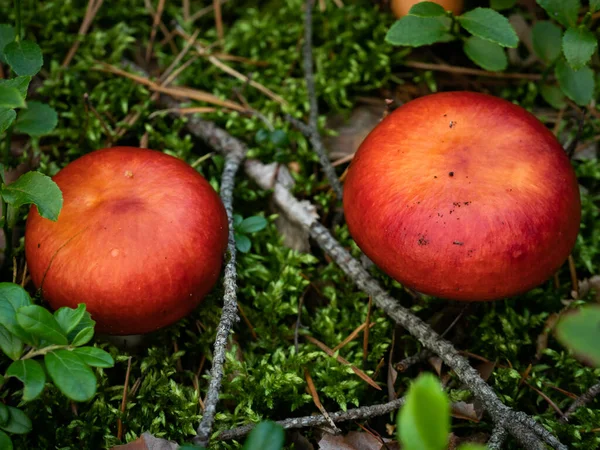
x=355, y=71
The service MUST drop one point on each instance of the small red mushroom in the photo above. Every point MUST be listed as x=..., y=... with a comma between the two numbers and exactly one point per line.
x=140, y=240
x=463, y=196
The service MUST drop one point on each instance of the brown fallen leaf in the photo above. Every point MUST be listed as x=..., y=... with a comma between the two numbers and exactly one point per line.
x=356, y=440
x=467, y=411
x=148, y=442
x=486, y=369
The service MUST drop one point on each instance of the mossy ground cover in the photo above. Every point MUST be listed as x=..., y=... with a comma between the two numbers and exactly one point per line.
x=264, y=375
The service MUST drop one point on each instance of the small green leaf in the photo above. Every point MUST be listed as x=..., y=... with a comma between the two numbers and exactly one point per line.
x=252, y=224
x=38, y=119
x=578, y=85
x=424, y=420
x=25, y=57
x=553, y=96
x=69, y=318
x=579, y=331
x=279, y=138
x=7, y=35
x=31, y=374
x=242, y=243
x=10, y=344
x=485, y=54
x=594, y=5
x=86, y=322
x=71, y=375
x=416, y=31
x=95, y=357
x=489, y=25
x=427, y=9
x=579, y=44
x=262, y=136
x=266, y=435
x=83, y=337
x=38, y=321
x=5, y=441
x=237, y=219
x=4, y=414
x=563, y=11
x=191, y=447
x=546, y=39
x=18, y=423
x=10, y=97
x=37, y=188
x=13, y=297
x=471, y=446
x=19, y=83
x=499, y=5
x=7, y=117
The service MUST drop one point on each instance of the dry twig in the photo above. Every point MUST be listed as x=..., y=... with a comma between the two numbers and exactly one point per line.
x=581, y=401
x=92, y=9
x=230, y=308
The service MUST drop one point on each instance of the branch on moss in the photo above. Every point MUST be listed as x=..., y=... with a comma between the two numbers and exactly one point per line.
x=496, y=441
x=229, y=313
x=366, y=412
x=526, y=430
x=311, y=131
x=587, y=397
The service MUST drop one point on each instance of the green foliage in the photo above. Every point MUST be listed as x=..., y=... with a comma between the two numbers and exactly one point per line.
x=489, y=25
x=242, y=227
x=487, y=54
x=266, y=435
x=579, y=331
x=34, y=188
x=424, y=420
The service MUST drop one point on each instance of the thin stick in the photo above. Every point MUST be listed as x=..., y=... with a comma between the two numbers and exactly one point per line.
x=469, y=71
x=316, y=400
x=218, y=19
x=124, y=400
x=229, y=313
x=92, y=9
x=581, y=401
x=186, y=10
x=350, y=337
x=366, y=334
x=573, y=272
x=366, y=412
x=157, y=16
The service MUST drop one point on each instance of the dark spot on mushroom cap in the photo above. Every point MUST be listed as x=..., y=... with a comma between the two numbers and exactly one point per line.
x=451, y=174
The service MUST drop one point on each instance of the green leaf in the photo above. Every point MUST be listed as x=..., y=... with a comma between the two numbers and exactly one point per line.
x=13, y=297
x=490, y=25
x=594, y=5
x=10, y=344
x=499, y=5
x=38, y=119
x=470, y=446
x=579, y=331
x=69, y=318
x=31, y=374
x=25, y=57
x=242, y=243
x=39, y=322
x=252, y=224
x=5, y=441
x=279, y=138
x=191, y=447
x=37, y=188
x=485, y=54
x=18, y=423
x=7, y=117
x=262, y=136
x=95, y=357
x=546, y=39
x=86, y=322
x=10, y=97
x=2, y=179
x=19, y=83
x=427, y=9
x=578, y=85
x=237, y=219
x=71, y=375
x=553, y=96
x=266, y=435
x=424, y=420
x=416, y=31
x=83, y=337
x=563, y=11
x=7, y=35
x=579, y=44
x=4, y=414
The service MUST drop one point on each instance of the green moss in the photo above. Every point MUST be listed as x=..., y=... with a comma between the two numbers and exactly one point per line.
x=264, y=377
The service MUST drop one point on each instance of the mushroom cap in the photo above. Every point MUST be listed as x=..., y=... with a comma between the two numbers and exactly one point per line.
x=400, y=8
x=463, y=196
x=140, y=240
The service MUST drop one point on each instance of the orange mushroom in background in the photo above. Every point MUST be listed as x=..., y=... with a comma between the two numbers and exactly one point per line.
x=400, y=8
